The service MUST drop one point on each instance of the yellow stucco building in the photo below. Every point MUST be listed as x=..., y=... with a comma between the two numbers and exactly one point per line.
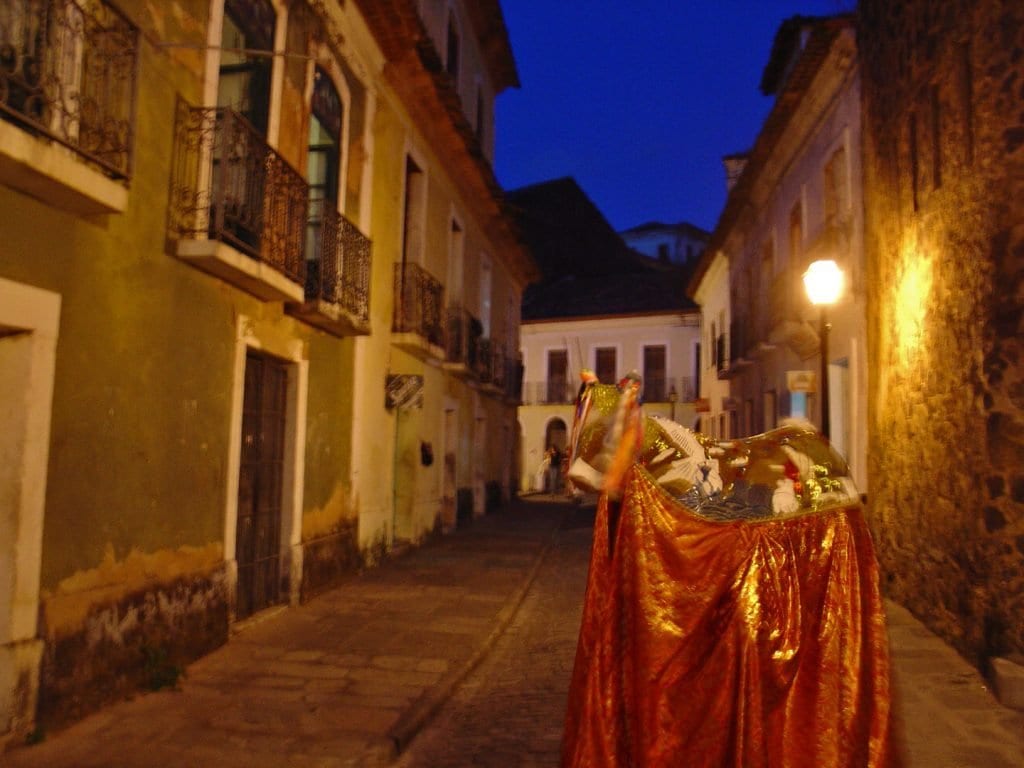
x=259, y=308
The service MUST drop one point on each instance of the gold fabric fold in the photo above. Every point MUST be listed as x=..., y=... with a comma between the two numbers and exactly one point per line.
x=743, y=643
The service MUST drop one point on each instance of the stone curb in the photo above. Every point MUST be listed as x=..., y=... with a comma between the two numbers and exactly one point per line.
x=386, y=750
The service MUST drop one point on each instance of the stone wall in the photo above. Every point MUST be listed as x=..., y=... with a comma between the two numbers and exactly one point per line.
x=943, y=95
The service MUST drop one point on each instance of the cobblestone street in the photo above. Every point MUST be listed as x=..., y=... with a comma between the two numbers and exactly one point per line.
x=509, y=712
x=458, y=654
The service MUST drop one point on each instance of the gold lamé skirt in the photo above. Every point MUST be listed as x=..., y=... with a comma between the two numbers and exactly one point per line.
x=729, y=643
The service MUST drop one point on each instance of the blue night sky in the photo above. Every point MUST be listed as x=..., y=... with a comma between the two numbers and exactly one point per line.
x=638, y=100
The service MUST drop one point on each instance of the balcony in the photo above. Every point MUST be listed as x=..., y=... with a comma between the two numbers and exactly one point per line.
x=67, y=102
x=655, y=390
x=337, y=278
x=484, y=361
x=514, y=378
x=661, y=389
x=550, y=392
x=238, y=209
x=462, y=333
x=417, y=323
x=496, y=370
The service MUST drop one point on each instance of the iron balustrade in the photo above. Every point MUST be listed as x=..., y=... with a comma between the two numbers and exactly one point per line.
x=461, y=331
x=550, y=392
x=514, y=377
x=229, y=185
x=484, y=361
x=498, y=368
x=339, y=272
x=559, y=391
x=655, y=389
x=476, y=334
x=661, y=389
x=68, y=72
x=418, y=301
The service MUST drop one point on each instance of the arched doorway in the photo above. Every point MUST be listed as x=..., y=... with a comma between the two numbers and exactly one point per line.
x=555, y=439
x=555, y=434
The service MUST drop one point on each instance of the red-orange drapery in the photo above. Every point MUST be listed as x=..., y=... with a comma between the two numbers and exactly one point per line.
x=746, y=643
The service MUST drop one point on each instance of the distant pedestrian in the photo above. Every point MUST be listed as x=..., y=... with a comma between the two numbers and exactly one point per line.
x=554, y=469
x=540, y=478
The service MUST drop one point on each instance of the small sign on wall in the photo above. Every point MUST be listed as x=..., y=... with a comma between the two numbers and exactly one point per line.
x=801, y=381
x=403, y=391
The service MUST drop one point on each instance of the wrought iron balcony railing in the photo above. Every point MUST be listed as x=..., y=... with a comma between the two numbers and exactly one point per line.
x=550, y=392
x=664, y=389
x=67, y=72
x=339, y=272
x=484, y=361
x=418, y=300
x=498, y=369
x=514, y=377
x=560, y=391
x=476, y=336
x=656, y=389
x=462, y=332
x=229, y=185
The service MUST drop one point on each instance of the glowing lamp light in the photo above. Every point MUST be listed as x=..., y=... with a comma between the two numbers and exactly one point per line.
x=823, y=281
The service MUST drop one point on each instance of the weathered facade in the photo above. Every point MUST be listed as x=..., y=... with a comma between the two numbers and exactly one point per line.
x=796, y=198
x=232, y=231
x=943, y=90
x=599, y=305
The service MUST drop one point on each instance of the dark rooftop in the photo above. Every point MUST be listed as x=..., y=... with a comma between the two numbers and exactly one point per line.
x=657, y=226
x=587, y=269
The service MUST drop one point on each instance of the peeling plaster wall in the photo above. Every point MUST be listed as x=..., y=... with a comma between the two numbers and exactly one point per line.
x=133, y=559
x=943, y=85
x=143, y=450
x=140, y=639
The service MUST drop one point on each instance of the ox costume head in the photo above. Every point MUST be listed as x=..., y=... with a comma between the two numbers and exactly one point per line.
x=789, y=470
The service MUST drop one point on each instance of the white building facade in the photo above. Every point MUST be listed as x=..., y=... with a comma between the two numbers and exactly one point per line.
x=662, y=347
x=712, y=294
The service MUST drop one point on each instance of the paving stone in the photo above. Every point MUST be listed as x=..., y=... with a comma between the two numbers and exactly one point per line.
x=328, y=683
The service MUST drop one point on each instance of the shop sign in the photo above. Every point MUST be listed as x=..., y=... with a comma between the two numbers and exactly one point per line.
x=801, y=381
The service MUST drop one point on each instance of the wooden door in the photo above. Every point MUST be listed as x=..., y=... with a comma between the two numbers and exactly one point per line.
x=261, y=472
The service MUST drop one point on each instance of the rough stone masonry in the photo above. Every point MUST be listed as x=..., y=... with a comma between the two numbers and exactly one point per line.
x=943, y=92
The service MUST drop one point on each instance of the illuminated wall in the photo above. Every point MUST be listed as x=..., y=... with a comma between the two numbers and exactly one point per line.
x=944, y=177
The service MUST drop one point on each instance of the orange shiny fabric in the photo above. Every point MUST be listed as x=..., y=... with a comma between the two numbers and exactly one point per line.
x=745, y=643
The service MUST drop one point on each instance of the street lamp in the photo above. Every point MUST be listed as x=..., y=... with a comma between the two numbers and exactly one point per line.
x=823, y=281
x=673, y=397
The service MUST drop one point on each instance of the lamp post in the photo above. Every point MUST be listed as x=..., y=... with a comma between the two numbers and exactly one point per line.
x=673, y=396
x=823, y=281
